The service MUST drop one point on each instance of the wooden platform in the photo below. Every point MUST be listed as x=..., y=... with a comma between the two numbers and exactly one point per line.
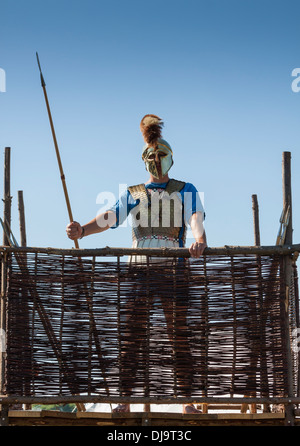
x=58, y=418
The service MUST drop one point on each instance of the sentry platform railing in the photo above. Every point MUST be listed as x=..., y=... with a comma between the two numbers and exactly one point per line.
x=83, y=328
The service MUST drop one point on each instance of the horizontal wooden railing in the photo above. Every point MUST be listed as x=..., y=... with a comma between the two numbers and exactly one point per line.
x=159, y=252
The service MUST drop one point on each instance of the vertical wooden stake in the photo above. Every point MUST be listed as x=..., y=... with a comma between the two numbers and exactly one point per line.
x=255, y=208
x=244, y=406
x=7, y=197
x=253, y=408
x=256, y=220
x=257, y=243
x=4, y=415
x=147, y=406
x=6, y=219
x=23, y=242
x=287, y=201
x=3, y=325
x=287, y=193
x=22, y=219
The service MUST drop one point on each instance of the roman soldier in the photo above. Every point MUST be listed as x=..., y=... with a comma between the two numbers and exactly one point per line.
x=161, y=210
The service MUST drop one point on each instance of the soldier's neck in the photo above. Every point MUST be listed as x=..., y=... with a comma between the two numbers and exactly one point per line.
x=153, y=179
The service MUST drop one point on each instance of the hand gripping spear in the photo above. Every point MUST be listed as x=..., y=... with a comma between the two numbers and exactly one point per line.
x=62, y=175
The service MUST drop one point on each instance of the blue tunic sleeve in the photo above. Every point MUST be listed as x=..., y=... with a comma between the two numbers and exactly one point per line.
x=192, y=201
x=123, y=207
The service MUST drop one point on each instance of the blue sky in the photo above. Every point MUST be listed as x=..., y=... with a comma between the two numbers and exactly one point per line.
x=218, y=73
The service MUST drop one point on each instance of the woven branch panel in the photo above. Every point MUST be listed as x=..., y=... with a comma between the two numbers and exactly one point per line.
x=208, y=327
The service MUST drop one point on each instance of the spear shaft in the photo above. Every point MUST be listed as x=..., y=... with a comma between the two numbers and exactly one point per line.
x=62, y=175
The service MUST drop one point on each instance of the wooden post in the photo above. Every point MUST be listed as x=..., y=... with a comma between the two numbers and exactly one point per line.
x=287, y=193
x=255, y=208
x=287, y=201
x=147, y=407
x=23, y=242
x=7, y=220
x=7, y=197
x=3, y=328
x=244, y=406
x=256, y=220
x=4, y=415
x=22, y=219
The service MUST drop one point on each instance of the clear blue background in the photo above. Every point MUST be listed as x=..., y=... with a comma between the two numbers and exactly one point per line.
x=218, y=73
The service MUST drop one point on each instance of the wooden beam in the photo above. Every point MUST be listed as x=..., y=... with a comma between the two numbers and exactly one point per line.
x=3, y=320
x=255, y=209
x=7, y=197
x=158, y=252
x=287, y=202
x=54, y=418
x=287, y=193
x=4, y=416
x=13, y=399
x=23, y=241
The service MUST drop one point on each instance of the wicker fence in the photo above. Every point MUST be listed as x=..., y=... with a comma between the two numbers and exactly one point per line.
x=161, y=330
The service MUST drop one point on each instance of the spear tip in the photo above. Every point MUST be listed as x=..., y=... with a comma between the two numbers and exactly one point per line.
x=39, y=65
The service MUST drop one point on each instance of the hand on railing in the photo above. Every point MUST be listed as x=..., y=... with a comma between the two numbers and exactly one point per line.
x=197, y=248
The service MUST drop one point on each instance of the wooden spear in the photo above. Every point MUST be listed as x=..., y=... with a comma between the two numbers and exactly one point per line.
x=62, y=175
